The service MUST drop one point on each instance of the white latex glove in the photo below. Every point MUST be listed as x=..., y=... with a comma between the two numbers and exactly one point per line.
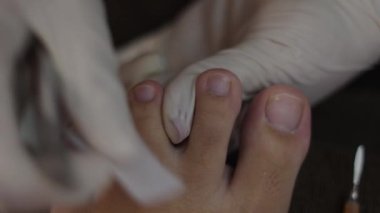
x=315, y=45
x=76, y=36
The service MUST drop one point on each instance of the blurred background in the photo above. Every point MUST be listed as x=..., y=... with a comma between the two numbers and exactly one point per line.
x=340, y=123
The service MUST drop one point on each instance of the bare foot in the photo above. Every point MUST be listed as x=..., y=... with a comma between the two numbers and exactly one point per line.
x=275, y=140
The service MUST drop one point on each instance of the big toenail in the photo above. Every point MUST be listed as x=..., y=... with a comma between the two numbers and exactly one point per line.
x=284, y=112
x=144, y=93
x=218, y=85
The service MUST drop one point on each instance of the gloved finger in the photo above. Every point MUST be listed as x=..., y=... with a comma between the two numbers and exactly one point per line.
x=255, y=72
x=75, y=34
x=14, y=162
x=140, y=60
x=288, y=42
x=35, y=190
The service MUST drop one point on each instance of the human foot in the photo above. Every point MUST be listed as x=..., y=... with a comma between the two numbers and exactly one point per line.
x=275, y=139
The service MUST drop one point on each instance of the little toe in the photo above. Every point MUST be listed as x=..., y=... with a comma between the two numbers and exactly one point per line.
x=218, y=101
x=275, y=140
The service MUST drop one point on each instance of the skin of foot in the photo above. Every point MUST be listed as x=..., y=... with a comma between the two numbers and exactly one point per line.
x=275, y=138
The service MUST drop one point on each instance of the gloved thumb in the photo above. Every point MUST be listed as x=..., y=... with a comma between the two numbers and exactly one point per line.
x=258, y=64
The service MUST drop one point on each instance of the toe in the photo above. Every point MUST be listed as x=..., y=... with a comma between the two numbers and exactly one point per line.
x=145, y=100
x=275, y=140
x=218, y=100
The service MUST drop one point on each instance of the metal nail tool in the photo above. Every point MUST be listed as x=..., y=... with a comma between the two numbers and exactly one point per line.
x=352, y=205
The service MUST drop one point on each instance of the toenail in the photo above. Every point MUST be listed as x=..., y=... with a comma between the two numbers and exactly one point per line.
x=284, y=112
x=218, y=85
x=144, y=93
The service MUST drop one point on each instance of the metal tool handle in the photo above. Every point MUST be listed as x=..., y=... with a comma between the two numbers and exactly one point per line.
x=352, y=206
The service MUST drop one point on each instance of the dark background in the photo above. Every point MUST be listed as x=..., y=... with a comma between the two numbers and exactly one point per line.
x=346, y=119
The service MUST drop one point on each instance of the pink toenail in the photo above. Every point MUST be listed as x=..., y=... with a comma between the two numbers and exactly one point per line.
x=284, y=112
x=144, y=93
x=218, y=85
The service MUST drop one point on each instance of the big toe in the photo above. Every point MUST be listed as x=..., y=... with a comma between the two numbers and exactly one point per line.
x=275, y=140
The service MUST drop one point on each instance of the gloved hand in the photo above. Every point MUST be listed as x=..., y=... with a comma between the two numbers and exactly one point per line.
x=315, y=45
x=75, y=35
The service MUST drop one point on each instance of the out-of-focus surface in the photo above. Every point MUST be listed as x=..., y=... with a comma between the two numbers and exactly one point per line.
x=128, y=18
x=343, y=121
